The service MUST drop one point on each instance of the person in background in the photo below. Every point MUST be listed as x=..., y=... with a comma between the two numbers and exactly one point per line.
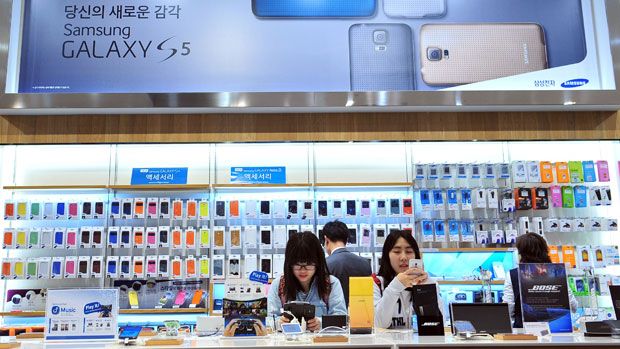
x=532, y=248
x=392, y=296
x=341, y=263
x=305, y=278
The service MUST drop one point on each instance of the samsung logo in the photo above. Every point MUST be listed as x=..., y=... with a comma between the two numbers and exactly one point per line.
x=575, y=83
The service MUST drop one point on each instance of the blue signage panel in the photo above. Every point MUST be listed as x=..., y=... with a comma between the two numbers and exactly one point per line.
x=170, y=175
x=258, y=175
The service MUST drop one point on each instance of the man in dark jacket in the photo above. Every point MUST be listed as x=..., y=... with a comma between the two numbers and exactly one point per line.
x=342, y=263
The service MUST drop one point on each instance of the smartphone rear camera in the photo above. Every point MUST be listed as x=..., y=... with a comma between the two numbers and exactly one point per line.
x=380, y=37
x=434, y=54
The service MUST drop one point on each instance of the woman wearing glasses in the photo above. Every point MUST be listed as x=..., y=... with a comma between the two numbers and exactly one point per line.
x=305, y=278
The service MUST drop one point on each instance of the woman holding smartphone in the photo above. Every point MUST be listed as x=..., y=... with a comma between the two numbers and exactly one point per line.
x=392, y=294
x=306, y=278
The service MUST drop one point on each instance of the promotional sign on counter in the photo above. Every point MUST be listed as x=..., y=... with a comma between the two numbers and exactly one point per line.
x=81, y=314
x=544, y=296
x=137, y=46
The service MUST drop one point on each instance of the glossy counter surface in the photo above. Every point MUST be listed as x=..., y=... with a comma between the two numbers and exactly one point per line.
x=392, y=340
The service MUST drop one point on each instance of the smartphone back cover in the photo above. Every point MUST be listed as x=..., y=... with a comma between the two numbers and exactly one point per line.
x=381, y=57
x=472, y=52
x=314, y=8
x=414, y=8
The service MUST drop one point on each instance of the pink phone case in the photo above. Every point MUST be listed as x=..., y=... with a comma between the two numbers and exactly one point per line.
x=151, y=267
x=151, y=238
x=71, y=239
x=73, y=209
x=152, y=209
x=70, y=267
x=180, y=298
x=556, y=196
x=603, y=170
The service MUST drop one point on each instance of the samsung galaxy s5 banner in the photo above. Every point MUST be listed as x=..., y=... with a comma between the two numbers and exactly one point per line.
x=176, y=46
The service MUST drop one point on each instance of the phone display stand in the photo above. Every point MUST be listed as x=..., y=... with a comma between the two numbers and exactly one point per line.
x=332, y=334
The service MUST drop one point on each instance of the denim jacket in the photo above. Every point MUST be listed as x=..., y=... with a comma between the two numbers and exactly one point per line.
x=337, y=305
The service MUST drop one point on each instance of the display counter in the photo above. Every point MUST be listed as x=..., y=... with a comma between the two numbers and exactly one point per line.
x=394, y=340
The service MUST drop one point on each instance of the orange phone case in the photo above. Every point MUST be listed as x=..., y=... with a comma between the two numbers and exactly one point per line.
x=191, y=209
x=197, y=296
x=176, y=237
x=177, y=209
x=235, y=237
x=234, y=208
x=568, y=256
x=6, y=269
x=138, y=267
x=546, y=172
x=191, y=267
x=554, y=254
x=139, y=209
x=176, y=268
x=138, y=238
x=9, y=209
x=561, y=170
x=219, y=238
x=190, y=238
x=8, y=239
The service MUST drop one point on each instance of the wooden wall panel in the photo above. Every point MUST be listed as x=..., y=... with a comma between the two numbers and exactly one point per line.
x=308, y=127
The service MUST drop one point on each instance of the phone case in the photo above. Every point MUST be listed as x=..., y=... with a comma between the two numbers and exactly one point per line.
x=177, y=238
x=602, y=168
x=533, y=172
x=190, y=238
x=164, y=208
x=35, y=210
x=196, y=298
x=190, y=267
x=8, y=239
x=381, y=57
x=205, y=241
x=562, y=172
x=381, y=210
x=22, y=210
x=351, y=208
x=21, y=238
x=407, y=207
x=313, y=9
x=218, y=238
x=138, y=208
x=541, y=198
x=576, y=171
x=451, y=54
x=234, y=209
x=556, y=195
x=235, y=237
x=546, y=172
x=115, y=209
x=9, y=210
x=176, y=268
x=177, y=209
x=581, y=196
x=33, y=238
x=127, y=208
x=365, y=208
x=589, y=172
x=191, y=209
x=73, y=210
x=568, y=199
x=138, y=237
x=163, y=236
x=61, y=210
x=87, y=210
x=203, y=208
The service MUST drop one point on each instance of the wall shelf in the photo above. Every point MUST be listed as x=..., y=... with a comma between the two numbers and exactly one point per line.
x=241, y=186
x=53, y=187
x=154, y=187
x=368, y=184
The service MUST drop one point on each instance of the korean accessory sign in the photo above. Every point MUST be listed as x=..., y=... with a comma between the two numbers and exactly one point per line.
x=258, y=175
x=142, y=176
x=174, y=46
x=544, y=295
x=81, y=314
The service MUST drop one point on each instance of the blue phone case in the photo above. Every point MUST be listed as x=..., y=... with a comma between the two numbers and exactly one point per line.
x=438, y=197
x=427, y=228
x=56, y=268
x=589, y=171
x=113, y=237
x=60, y=209
x=466, y=196
x=112, y=267
x=314, y=8
x=425, y=197
x=581, y=196
x=59, y=237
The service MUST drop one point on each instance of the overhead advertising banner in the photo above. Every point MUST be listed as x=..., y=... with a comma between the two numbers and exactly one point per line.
x=544, y=296
x=175, y=46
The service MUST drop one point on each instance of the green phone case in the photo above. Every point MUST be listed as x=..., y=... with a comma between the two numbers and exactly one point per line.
x=568, y=197
x=576, y=171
